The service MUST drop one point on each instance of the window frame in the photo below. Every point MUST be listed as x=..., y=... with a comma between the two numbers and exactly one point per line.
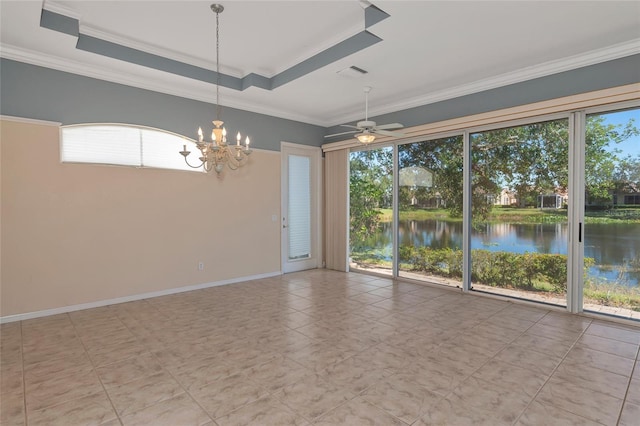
x=190, y=143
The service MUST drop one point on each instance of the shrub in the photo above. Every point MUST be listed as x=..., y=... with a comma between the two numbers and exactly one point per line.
x=529, y=271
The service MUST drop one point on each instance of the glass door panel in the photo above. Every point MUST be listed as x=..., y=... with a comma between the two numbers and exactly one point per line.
x=612, y=214
x=300, y=201
x=299, y=210
x=430, y=210
x=519, y=239
x=371, y=210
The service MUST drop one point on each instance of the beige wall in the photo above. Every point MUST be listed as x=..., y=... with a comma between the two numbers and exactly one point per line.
x=74, y=233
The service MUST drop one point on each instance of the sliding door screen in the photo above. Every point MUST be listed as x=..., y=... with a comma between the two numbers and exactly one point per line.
x=612, y=214
x=430, y=177
x=371, y=210
x=519, y=239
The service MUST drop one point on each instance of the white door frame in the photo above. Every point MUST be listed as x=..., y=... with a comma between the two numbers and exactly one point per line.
x=315, y=156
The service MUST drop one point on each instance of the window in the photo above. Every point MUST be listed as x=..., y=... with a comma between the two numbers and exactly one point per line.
x=124, y=145
x=632, y=199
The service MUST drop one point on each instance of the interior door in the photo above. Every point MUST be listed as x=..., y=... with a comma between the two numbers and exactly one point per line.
x=300, y=207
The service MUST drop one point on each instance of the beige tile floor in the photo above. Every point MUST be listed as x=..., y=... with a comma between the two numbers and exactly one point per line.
x=319, y=347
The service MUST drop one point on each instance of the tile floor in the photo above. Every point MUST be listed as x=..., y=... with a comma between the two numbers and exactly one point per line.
x=324, y=348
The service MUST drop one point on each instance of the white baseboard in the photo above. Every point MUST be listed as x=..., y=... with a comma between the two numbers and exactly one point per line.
x=82, y=306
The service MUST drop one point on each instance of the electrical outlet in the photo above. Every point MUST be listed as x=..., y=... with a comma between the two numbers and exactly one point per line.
x=200, y=266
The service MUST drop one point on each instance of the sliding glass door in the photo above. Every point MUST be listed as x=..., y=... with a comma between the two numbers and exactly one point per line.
x=371, y=210
x=430, y=179
x=612, y=213
x=543, y=209
x=519, y=242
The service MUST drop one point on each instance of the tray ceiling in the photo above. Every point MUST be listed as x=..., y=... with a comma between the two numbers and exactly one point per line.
x=424, y=51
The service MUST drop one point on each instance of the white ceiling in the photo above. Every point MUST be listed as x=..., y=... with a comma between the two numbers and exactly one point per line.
x=431, y=50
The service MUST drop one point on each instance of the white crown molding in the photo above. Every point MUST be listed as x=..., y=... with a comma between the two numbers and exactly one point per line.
x=325, y=44
x=55, y=7
x=80, y=307
x=29, y=121
x=180, y=88
x=149, y=48
x=593, y=57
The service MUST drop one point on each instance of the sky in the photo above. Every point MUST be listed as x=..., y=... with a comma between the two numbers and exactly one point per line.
x=632, y=145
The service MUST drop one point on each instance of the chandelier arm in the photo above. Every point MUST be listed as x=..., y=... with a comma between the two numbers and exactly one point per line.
x=193, y=167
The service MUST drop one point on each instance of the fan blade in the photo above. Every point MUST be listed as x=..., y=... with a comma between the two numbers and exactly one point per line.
x=390, y=126
x=350, y=126
x=387, y=133
x=340, y=134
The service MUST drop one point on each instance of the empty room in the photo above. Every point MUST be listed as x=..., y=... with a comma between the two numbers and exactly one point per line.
x=319, y=213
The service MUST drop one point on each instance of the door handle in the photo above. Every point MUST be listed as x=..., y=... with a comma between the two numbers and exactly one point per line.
x=579, y=232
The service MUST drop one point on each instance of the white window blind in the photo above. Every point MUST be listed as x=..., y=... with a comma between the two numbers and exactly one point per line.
x=161, y=150
x=299, y=207
x=126, y=146
x=101, y=144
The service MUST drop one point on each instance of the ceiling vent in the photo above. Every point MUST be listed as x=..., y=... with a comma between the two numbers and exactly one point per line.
x=352, y=71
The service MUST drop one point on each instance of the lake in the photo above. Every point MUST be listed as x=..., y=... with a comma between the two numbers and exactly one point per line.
x=611, y=245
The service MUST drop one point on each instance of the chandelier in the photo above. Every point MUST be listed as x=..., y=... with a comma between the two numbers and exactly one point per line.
x=216, y=153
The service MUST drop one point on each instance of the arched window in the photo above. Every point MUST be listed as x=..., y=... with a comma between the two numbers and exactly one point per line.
x=124, y=145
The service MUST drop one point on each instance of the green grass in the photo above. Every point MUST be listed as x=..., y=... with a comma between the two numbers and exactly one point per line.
x=418, y=214
x=520, y=215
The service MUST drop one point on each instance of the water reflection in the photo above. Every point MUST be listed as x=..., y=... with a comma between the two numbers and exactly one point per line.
x=611, y=245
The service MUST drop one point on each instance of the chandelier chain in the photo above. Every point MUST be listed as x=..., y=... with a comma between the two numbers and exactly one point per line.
x=217, y=65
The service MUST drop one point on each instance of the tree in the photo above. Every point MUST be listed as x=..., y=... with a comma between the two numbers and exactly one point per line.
x=604, y=169
x=627, y=175
x=444, y=159
x=530, y=160
x=370, y=188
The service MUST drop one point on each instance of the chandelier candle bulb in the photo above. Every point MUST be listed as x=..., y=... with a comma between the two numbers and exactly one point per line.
x=200, y=134
x=238, y=137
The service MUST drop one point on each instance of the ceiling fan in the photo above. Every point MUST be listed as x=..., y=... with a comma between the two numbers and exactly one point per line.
x=367, y=130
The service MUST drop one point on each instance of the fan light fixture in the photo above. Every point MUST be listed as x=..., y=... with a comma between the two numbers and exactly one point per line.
x=367, y=130
x=217, y=153
x=366, y=137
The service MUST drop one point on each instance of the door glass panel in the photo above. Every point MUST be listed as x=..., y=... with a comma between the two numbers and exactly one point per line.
x=612, y=214
x=370, y=207
x=430, y=210
x=299, y=207
x=519, y=240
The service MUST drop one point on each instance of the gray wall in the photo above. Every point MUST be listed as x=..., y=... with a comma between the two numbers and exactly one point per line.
x=35, y=92
x=605, y=75
x=45, y=94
